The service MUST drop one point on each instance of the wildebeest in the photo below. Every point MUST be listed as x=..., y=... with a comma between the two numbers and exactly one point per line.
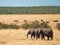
x=34, y=33
x=46, y=32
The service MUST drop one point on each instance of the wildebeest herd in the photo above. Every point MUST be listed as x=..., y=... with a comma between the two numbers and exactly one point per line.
x=41, y=33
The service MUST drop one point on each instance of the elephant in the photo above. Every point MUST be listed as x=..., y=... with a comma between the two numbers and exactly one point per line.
x=34, y=33
x=46, y=32
x=31, y=32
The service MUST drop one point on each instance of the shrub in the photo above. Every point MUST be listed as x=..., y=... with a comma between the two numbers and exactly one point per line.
x=25, y=25
x=47, y=21
x=55, y=20
x=58, y=26
x=44, y=25
x=34, y=24
x=9, y=26
x=3, y=26
x=13, y=26
x=16, y=21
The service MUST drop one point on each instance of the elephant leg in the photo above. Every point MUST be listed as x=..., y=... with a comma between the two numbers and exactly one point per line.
x=42, y=37
x=36, y=37
x=27, y=35
x=39, y=36
x=47, y=37
x=31, y=36
x=51, y=37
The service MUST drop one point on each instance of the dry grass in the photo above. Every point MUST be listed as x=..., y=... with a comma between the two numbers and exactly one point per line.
x=18, y=37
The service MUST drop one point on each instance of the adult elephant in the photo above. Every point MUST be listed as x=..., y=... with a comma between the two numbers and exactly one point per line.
x=46, y=32
x=34, y=33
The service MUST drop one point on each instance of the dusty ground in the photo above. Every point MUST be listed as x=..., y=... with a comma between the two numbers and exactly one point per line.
x=18, y=37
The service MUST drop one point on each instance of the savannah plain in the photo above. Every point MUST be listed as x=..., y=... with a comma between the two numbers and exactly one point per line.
x=18, y=36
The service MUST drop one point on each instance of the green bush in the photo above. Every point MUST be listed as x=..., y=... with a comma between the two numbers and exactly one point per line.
x=34, y=24
x=3, y=26
x=25, y=25
x=44, y=25
x=9, y=26
x=13, y=26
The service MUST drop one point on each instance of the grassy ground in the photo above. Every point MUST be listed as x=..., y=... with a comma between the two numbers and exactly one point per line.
x=18, y=36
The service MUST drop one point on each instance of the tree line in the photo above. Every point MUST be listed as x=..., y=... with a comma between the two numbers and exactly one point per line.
x=30, y=10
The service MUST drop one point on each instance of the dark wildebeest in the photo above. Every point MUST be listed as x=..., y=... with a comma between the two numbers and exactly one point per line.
x=46, y=32
x=34, y=33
